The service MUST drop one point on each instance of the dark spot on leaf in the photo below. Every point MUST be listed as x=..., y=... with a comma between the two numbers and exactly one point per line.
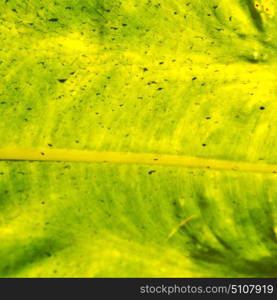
x=262, y=108
x=194, y=78
x=53, y=20
x=151, y=82
x=204, y=145
x=151, y=172
x=50, y=145
x=62, y=80
x=42, y=153
x=145, y=69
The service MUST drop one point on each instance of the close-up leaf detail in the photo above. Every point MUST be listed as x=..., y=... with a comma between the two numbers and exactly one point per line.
x=138, y=138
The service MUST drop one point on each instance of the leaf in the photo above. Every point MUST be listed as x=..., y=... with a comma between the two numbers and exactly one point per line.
x=138, y=138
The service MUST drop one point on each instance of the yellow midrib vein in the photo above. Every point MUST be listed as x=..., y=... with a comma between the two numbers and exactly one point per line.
x=71, y=155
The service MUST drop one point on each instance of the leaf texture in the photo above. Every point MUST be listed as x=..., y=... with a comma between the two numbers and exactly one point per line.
x=123, y=127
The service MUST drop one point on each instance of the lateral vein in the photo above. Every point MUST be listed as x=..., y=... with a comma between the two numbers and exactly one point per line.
x=71, y=155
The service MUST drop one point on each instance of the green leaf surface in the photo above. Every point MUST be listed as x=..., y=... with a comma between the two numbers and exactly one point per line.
x=138, y=138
